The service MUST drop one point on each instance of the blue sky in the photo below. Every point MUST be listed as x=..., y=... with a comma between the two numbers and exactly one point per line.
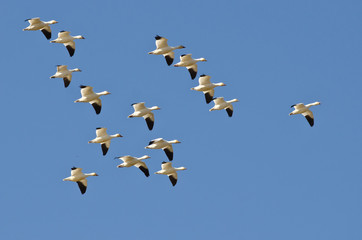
x=258, y=175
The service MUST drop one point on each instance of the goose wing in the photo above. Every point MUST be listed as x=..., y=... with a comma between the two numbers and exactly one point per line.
x=67, y=80
x=161, y=42
x=33, y=21
x=229, y=109
x=47, y=32
x=100, y=132
x=298, y=106
x=86, y=90
x=61, y=68
x=138, y=106
x=82, y=184
x=173, y=178
x=155, y=141
x=185, y=57
x=204, y=80
x=309, y=116
x=143, y=167
x=209, y=95
x=105, y=147
x=75, y=171
x=166, y=165
x=63, y=34
x=70, y=47
x=97, y=105
x=169, y=152
x=219, y=101
x=192, y=70
x=150, y=120
x=170, y=56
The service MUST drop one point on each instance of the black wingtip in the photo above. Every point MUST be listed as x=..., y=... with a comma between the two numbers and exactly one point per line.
x=157, y=37
x=47, y=34
x=173, y=180
x=149, y=123
x=63, y=31
x=145, y=171
x=202, y=75
x=97, y=108
x=66, y=82
x=164, y=162
x=208, y=98
x=293, y=105
x=229, y=111
x=183, y=55
x=193, y=73
x=169, y=60
x=98, y=128
x=168, y=153
x=104, y=149
x=73, y=168
x=70, y=50
x=310, y=120
x=82, y=188
x=82, y=86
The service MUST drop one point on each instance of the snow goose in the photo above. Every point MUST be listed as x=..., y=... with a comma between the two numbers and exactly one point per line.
x=63, y=72
x=164, y=49
x=300, y=108
x=207, y=87
x=170, y=171
x=104, y=139
x=141, y=111
x=68, y=41
x=93, y=98
x=80, y=178
x=37, y=24
x=166, y=146
x=129, y=161
x=187, y=61
x=220, y=104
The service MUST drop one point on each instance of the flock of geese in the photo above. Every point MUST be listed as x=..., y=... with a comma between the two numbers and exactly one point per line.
x=140, y=110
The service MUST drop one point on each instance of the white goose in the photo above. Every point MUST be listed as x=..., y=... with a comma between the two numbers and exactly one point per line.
x=207, y=87
x=68, y=41
x=300, y=108
x=164, y=49
x=104, y=139
x=170, y=171
x=80, y=178
x=37, y=24
x=166, y=146
x=220, y=104
x=63, y=72
x=91, y=97
x=141, y=111
x=187, y=61
x=129, y=161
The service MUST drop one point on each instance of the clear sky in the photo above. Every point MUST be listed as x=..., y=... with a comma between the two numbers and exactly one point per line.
x=260, y=175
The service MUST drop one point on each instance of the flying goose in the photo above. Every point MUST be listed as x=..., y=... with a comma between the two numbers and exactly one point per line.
x=37, y=24
x=164, y=49
x=80, y=178
x=141, y=111
x=166, y=146
x=104, y=139
x=170, y=171
x=93, y=98
x=68, y=41
x=63, y=72
x=187, y=61
x=220, y=104
x=207, y=87
x=129, y=161
x=300, y=108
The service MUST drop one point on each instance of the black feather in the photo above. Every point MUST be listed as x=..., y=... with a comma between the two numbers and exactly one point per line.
x=229, y=111
x=66, y=82
x=145, y=171
x=193, y=73
x=149, y=123
x=310, y=120
x=168, y=153
x=47, y=34
x=208, y=98
x=104, y=149
x=173, y=180
x=70, y=50
x=97, y=108
x=82, y=187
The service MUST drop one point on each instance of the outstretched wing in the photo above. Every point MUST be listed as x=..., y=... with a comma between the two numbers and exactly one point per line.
x=161, y=42
x=86, y=90
x=192, y=70
x=209, y=95
x=204, y=80
x=150, y=120
x=70, y=47
x=169, y=152
x=170, y=56
x=82, y=184
x=47, y=32
x=230, y=110
x=143, y=167
x=138, y=106
x=173, y=178
x=105, y=147
x=97, y=105
x=309, y=116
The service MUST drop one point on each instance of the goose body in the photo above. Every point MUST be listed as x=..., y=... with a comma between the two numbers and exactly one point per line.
x=187, y=61
x=37, y=24
x=91, y=97
x=300, y=108
x=104, y=139
x=67, y=40
x=207, y=87
x=65, y=73
x=129, y=161
x=164, y=49
x=141, y=111
x=80, y=178
x=221, y=104
x=166, y=146
x=171, y=172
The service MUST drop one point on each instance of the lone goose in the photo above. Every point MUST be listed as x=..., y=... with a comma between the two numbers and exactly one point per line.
x=170, y=171
x=220, y=104
x=129, y=161
x=80, y=178
x=141, y=111
x=68, y=41
x=37, y=24
x=207, y=87
x=164, y=49
x=93, y=98
x=104, y=139
x=166, y=146
x=63, y=72
x=300, y=108
x=187, y=61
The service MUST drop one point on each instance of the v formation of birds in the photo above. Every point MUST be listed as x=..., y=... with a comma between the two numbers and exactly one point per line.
x=140, y=110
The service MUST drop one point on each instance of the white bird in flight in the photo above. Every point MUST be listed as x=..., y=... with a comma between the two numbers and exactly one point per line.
x=37, y=24
x=207, y=87
x=129, y=161
x=164, y=49
x=187, y=61
x=104, y=139
x=170, y=171
x=300, y=108
x=80, y=178
x=65, y=73
x=141, y=111
x=91, y=97
x=166, y=146
x=221, y=104
x=67, y=40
